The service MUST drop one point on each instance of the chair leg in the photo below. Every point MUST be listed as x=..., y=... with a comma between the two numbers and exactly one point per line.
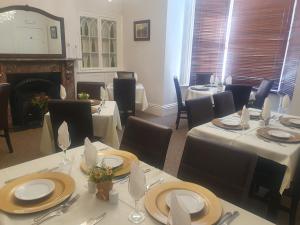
x=293, y=211
x=6, y=134
x=177, y=120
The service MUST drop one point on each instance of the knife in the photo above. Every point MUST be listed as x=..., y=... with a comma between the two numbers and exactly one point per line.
x=94, y=221
x=224, y=218
x=229, y=219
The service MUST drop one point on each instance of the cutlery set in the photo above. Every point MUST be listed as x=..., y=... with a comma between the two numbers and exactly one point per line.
x=228, y=217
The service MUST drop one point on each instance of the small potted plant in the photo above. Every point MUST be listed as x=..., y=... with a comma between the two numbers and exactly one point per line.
x=102, y=176
x=83, y=96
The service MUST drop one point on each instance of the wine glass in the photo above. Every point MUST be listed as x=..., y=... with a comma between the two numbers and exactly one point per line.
x=64, y=148
x=137, y=188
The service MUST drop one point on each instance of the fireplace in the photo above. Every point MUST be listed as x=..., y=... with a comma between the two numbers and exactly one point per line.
x=32, y=78
x=28, y=91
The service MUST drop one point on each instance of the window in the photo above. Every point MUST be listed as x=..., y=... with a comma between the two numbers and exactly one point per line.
x=99, y=49
x=256, y=39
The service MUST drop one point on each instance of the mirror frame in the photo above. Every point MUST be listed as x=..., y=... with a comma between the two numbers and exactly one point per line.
x=42, y=12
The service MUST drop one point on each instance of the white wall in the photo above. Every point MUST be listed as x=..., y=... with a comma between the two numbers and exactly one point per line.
x=146, y=57
x=295, y=106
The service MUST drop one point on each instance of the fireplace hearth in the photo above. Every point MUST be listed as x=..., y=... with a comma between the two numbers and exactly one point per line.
x=25, y=88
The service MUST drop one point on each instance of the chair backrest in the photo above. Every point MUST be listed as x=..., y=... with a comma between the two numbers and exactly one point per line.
x=125, y=75
x=4, y=96
x=199, y=111
x=200, y=78
x=124, y=95
x=225, y=171
x=223, y=104
x=178, y=93
x=92, y=88
x=148, y=141
x=263, y=92
x=240, y=93
x=78, y=116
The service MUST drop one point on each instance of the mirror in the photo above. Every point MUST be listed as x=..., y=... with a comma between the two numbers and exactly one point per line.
x=30, y=32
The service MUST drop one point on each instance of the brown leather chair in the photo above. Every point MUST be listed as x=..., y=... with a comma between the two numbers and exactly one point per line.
x=148, y=141
x=92, y=88
x=240, y=93
x=4, y=96
x=223, y=104
x=125, y=75
x=225, y=171
x=78, y=116
x=124, y=95
x=199, y=111
x=181, y=109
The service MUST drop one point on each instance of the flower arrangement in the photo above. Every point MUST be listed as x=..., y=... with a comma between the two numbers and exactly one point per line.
x=41, y=101
x=102, y=176
x=83, y=96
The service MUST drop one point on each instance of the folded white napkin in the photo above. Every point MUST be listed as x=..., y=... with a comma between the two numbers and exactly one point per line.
x=245, y=117
x=212, y=79
x=285, y=102
x=63, y=93
x=266, y=112
x=228, y=80
x=178, y=214
x=90, y=153
x=115, y=75
x=137, y=181
x=217, y=81
x=63, y=138
x=104, y=94
x=136, y=77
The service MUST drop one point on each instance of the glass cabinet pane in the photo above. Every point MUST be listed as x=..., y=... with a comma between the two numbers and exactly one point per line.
x=109, y=43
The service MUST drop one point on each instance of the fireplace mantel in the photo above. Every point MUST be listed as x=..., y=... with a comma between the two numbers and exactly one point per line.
x=26, y=65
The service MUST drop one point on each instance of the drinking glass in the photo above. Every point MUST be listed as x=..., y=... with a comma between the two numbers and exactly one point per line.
x=136, y=192
x=64, y=148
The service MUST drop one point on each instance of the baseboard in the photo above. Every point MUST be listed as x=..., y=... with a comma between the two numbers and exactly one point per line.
x=162, y=110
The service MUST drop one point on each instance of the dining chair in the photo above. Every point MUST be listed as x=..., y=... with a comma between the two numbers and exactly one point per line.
x=4, y=98
x=125, y=74
x=223, y=104
x=124, y=95
x=200, y=78
x=294, y=194
x=148, y=141
x=92, y=88
x=199, y=111
x=225, y=171
x=240, y=93
x=78, y=116
x=181, y=108
x=262, y=92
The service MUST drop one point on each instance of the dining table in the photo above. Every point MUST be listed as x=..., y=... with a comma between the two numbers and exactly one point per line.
x=106, y=123
x=247, y=140
x=198, y=91
x=88, y=205
x=141, y=102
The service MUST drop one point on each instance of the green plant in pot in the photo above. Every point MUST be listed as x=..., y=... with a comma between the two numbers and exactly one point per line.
x=83, y=96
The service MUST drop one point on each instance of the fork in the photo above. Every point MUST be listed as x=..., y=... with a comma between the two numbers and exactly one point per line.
x=64, y=206
x=51, y=215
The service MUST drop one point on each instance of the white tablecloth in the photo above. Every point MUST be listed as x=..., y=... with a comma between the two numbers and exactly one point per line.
x=105, y=125
x=285, y=154
x=192, y=94
x=141, y=102
x=89, y=206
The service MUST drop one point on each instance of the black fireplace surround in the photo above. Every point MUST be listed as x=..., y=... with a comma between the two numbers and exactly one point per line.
x=24, y=87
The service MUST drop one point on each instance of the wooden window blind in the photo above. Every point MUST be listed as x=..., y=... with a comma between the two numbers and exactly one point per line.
x=258, y=37
x=209, y=36
x=292, y=58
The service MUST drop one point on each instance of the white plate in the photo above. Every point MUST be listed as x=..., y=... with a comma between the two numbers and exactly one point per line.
x=192, y=201
x=279, y=134
x=231, y=122
x=111, y=161
x=34, y=190
x=295, y=121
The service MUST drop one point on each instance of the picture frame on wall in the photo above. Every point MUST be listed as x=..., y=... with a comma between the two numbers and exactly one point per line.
x=142, y=30
x=53, y=32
